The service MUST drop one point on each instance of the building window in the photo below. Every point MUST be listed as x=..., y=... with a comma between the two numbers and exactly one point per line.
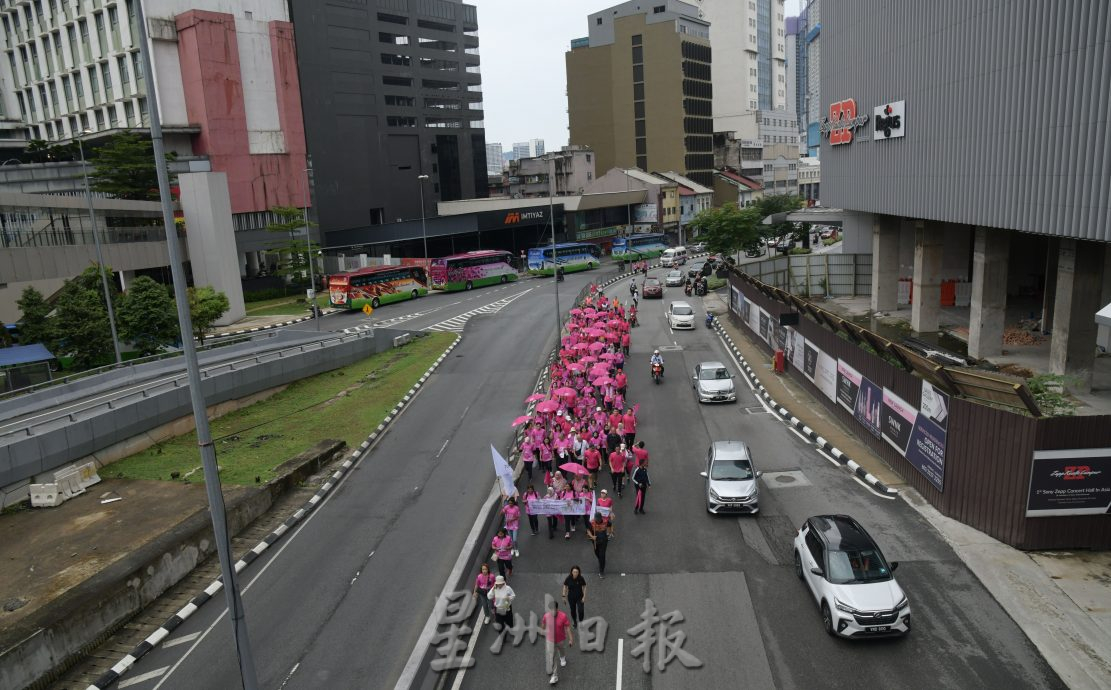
x=638, y=92
x=395, y=39
x=598, y=21
x=389, y=80
x=659, y=9
x=399, y=121
x=638, y=54
x=399, y=100
x=395, y=59
x=392, y=18
x=638, y=72
x=638, y=39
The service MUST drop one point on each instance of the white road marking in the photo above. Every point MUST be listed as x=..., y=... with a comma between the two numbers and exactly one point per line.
x=442, y=448
x=871, y=488
x=470, y=648
x=827, y=457
x=142, y=678
x=795, y=431
x=291, y=672
x=620, y=659
x=180, y=640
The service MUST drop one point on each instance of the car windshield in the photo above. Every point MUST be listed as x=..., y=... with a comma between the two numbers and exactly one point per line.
x=675, y=274
x=651, y=282
x=857, y=566
x=731, y=470
x=682, y=311
x=710, y=374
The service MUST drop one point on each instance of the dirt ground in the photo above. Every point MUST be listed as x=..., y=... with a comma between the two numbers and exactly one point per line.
x=46, y=551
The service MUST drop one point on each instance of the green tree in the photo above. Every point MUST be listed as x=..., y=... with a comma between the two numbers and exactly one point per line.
x=147, y=316
x=292, y=249
x=124, y=168
x=781, y=203
x=205, y=306
x=81, y=327
x=728, y=229
x=34, y=327
x=37, y=150
x=5, y=337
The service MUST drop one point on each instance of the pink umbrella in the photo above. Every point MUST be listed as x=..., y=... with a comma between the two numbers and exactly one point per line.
x=614, y=323
x=547, y=406
x=580, y=346
x=599, y=371
x=589, y=359
x=594, y=332
x=521, y=420
x=604, y=381
x=534, y=397
x=575, y=312
x=574, y=468
x=596, y=347
x=565, y=392
x=608, y=355
x=575, y=366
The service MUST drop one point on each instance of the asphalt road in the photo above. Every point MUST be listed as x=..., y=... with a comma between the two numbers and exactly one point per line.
x=341, y=602
x=746, y=617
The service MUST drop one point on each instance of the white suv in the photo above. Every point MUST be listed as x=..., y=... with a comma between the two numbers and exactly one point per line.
x=850, y=579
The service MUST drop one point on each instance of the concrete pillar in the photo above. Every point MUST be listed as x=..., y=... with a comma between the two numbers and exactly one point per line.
x=1103, y=333
x=885, y=264
x=126, y=277
x=925, y=311
x=1072, y=350
x=1049, y=292
x=990, y=256
x=213, y=257
x=252, y=264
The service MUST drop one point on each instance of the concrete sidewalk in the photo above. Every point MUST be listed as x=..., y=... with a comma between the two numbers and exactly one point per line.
x=1061, y=600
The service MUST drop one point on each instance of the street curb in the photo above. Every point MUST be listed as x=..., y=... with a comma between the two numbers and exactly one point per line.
x=154, y=639
x=794, y=421
x=257, y=329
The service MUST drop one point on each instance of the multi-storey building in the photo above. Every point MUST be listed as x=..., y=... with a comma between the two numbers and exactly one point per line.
x=749, y=39
x=528, y=149
x=392, y=93
x=495, y=159
x=573, y=167
x=639, y=88
x=810, y=83
x=227, y=86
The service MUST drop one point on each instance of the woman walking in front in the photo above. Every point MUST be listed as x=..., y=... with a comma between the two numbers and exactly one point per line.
x=574, y=593
x=483, y=583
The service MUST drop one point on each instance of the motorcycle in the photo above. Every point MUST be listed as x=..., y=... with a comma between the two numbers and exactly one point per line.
x=559, y=275
x=709, y=320
x=687, y=289
x=657, y=372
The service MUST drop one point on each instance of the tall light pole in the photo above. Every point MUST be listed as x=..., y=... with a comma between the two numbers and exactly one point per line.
x=308, y=255
x=555, y=257
x=423, y=231
x=99, y=256
x=236, y=615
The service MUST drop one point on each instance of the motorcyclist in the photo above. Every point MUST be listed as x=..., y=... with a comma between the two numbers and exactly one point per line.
x=657, y=358
x=633, y=288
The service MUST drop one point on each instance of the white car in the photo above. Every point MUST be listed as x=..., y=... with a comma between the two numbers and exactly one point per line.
x=698, y=247
x=731, y=479
x=674, y=278
x=680, y=315
x=852, y=582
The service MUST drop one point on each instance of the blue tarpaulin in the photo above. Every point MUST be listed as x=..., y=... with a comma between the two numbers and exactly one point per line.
x=24, y=354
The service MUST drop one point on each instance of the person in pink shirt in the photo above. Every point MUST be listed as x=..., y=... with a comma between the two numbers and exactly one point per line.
x=569, y=519
x=482, y=584
x=512, y=513
x=622, y=382
x=617, y=469
x=640, y=454
x=533, y=520
x=592, y=459
x=503, y=550
x=615, y=418
x=625, y=342
x=630, y=421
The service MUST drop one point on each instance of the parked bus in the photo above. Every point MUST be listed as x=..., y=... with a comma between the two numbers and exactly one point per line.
x=571, y=256
x=376, y=285
x=639, y=246
x=471, y=270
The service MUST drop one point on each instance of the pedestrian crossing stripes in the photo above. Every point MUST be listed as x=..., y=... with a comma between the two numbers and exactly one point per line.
x=456, y=323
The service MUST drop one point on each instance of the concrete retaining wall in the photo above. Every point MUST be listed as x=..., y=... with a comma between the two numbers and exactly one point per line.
x=43, y=646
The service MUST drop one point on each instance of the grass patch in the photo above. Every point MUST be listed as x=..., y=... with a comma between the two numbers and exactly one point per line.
x=715, y=283
x=347, y=403
x=283, y=306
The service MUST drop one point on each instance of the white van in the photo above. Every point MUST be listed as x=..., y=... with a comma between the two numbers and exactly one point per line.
x=676, y=256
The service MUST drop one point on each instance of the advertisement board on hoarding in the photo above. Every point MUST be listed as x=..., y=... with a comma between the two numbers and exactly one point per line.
x=1070, y=482
x=848, y=385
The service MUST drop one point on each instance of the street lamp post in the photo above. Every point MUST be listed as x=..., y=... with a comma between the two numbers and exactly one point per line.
x=423, y=231
x=99, y=256
x=236, y=615
x=308, y=249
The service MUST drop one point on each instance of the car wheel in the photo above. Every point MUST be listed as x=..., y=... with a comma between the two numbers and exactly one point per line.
x=798, y=566
x=469, y=285
x=415, y=294
x=374, y=303
x=504, y=279
x=827, y=618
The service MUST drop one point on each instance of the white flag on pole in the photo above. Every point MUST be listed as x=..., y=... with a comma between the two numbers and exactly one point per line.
x=504, y=472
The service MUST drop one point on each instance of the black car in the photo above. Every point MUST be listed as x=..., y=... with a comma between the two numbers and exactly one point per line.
x=695, y=269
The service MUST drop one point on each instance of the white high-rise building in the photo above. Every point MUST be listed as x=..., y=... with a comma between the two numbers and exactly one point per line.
x=528, y=149
x=495, y=159
x=749, y=35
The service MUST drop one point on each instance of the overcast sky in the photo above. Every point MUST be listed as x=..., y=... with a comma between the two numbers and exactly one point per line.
x=524, y=79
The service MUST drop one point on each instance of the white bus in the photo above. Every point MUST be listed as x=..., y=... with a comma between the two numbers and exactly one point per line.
x=676, y=256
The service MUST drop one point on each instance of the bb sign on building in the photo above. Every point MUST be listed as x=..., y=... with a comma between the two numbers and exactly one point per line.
x=842, y=126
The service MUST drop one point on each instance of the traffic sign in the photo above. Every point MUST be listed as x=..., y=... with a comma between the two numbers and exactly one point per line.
x=367, y=309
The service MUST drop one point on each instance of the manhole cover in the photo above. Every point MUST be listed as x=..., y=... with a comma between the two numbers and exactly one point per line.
x=783, y=480
x=670, y=348
x=756, y=410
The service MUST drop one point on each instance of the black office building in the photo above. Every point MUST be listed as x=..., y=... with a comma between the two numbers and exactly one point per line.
x=390, y=90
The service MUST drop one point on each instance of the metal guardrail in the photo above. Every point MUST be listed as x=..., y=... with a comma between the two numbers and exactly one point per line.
x=210, y=343
x=148, y=389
